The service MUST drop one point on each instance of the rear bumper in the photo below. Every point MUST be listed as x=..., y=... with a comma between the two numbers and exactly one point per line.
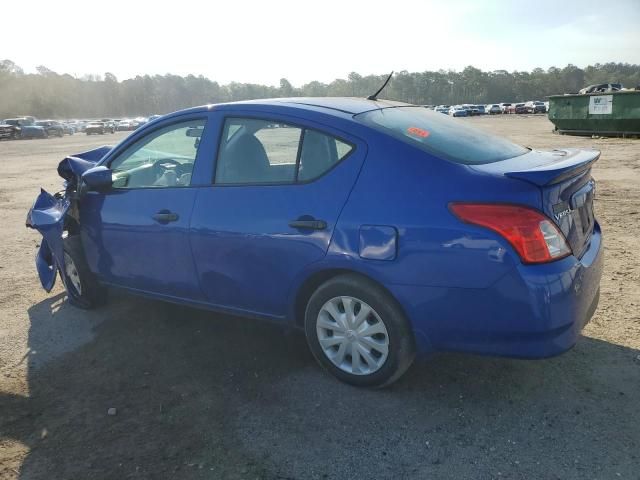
x=535, y=311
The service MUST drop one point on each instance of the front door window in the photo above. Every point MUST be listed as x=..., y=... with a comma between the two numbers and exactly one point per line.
x=162, y=159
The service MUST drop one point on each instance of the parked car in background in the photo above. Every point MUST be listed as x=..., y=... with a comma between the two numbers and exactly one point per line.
x=458, y=111
x=602, y=88
x=493, y=109
x=517, y=108
x=76, y=125
x=109, y=125
x=9, y=132
x=138, y=122
x=153, y=117
x=52, y=127
x=27, y=127
x=442, y=109
x=69, y=129
x=480, y=109
x=125, y=125
x=535, y=106
x=504, y=107
x=264, y=208
x=471, y=109
x=97, y=128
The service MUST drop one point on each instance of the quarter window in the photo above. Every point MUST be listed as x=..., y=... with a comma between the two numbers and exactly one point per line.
x=164, y=158
x=319, y=153
x=256, y=151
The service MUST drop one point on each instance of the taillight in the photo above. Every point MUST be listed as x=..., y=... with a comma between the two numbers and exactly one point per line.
x=536, y=238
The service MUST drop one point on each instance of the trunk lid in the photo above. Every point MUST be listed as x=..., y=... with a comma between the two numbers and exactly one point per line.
x=567, y=189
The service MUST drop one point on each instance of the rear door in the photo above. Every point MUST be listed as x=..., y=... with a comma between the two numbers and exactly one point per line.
x=278, y=189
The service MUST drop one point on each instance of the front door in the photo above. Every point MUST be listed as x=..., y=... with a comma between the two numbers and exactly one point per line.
x=136, y=234
x=278, y=190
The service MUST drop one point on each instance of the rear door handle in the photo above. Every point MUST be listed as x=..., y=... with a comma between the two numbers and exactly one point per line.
x=165, y=216
x=309, y=224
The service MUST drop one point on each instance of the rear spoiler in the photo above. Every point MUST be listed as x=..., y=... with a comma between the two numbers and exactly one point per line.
x=571, y=163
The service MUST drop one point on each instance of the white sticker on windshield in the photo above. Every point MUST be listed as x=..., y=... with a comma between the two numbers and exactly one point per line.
x=601, y=104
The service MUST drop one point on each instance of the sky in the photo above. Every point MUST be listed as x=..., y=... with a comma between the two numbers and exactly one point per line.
x=258, y=41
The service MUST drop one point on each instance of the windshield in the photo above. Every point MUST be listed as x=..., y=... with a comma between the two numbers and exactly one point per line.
x=441, y=136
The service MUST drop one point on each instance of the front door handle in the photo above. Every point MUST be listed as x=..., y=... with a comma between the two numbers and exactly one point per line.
x=309, y=224
x=165, y=216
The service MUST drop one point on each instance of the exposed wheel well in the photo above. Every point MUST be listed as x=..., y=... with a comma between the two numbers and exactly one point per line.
x=312, y=283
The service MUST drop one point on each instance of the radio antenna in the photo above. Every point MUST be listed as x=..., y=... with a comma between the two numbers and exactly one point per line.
x=375, y=95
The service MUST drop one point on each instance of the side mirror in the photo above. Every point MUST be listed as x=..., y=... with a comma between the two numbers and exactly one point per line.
x=98, y=179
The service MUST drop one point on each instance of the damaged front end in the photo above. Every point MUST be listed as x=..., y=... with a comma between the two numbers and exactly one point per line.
x=55, y=216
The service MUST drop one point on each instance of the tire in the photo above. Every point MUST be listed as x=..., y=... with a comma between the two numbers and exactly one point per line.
x=61, y=133
x=83, y=290
x=374, y=367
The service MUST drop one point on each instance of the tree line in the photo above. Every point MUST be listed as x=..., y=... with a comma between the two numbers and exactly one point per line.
x=53, y=95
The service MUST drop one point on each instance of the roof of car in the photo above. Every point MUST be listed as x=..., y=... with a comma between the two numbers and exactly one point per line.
x=352, y=105
x=344, y=105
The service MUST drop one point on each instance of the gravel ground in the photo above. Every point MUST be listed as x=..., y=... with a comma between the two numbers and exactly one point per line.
x=200, y=395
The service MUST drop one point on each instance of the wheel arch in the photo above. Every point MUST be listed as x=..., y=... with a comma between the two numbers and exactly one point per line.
x=317, y=278
x=314, y=279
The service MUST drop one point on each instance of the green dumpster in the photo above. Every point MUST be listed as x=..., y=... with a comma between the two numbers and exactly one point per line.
x=609, y=114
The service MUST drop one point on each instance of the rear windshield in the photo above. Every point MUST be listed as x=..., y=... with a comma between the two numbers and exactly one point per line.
x=441, y=136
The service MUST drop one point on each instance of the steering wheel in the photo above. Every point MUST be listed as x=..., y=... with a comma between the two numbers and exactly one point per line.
x=161, y=166
x=161, y=169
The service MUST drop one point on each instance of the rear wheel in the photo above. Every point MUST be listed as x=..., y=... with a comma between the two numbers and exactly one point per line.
x=83, y=289
x=358, y=332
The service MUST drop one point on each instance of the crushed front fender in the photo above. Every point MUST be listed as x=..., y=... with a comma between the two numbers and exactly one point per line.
x=74, y=166
x=47, y=217
x=48, y=213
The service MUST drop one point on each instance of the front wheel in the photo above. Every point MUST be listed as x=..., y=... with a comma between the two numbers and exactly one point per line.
x=358, y=332
x=83, y=290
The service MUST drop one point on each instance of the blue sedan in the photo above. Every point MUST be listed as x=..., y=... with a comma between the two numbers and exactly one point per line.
x=382, y=229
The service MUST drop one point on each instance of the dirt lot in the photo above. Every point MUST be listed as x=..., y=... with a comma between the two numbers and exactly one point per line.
x=200, y=395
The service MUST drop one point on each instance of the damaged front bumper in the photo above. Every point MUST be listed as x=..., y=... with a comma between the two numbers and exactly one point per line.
x=48, y=214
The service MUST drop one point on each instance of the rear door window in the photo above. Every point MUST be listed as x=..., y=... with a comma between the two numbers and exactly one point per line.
x=255, y=151
x=441, y=136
